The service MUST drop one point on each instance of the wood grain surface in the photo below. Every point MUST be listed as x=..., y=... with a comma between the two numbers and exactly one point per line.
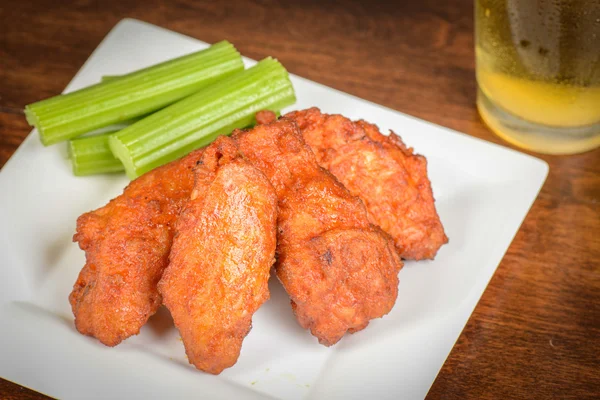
x=535, y=334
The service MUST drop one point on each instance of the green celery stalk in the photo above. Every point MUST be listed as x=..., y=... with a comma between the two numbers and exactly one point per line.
x=109, y=78
x=132, y=95
x=197, y=120
x=92, y=155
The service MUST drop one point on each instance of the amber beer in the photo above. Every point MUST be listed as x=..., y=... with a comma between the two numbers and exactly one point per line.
x=538, y=72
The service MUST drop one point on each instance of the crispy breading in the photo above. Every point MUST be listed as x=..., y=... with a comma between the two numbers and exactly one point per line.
x=264, y=117
x=339, y=270
x=383, y=172
x=127, y=243
x=221, y=257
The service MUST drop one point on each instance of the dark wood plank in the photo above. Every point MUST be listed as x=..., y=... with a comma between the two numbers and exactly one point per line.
x=535, y=333
x=12, y=391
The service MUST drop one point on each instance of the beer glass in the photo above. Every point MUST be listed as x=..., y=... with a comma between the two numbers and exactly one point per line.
x=538, y=72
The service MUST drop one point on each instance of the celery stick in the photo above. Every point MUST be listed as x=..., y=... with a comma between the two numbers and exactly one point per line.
x=109, y=78
x=197, y=120
x=138, y=93
x=91, y=155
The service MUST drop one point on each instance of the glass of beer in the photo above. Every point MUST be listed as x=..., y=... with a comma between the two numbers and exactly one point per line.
x=538, y=72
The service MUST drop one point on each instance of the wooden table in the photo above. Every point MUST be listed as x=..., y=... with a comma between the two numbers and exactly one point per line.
x=536, y=330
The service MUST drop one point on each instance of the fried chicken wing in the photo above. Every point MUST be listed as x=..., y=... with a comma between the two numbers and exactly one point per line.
x=127, y=243
x=221, y=257
x=385, y=174
x=264, y=117
x=339, y=270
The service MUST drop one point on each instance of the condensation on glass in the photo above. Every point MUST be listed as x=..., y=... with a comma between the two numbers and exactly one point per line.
x=538, y=72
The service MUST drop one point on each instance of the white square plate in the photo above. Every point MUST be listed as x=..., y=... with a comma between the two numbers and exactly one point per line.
x=483, y=192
